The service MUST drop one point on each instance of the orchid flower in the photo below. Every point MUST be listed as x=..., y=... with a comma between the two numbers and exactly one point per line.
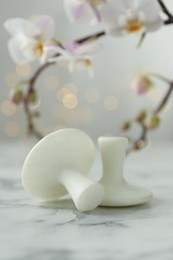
x=83, y=10
x=131, y=16
x=142, y=83
x=28, y=37
x=72, y=55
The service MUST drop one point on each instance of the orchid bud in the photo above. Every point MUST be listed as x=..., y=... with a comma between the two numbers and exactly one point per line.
x=139, y=145
x=16, y=95
x=141, y=116
x=32, y=96
x=153, y=122
x=142, y=84
x=36, y=114
x=125, y=126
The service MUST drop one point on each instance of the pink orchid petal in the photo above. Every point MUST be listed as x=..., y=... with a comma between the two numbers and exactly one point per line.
x=71, y=46
x=97, y=14
x=78, y=11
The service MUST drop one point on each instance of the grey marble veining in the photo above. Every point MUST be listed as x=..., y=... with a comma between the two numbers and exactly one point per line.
x=33, y=230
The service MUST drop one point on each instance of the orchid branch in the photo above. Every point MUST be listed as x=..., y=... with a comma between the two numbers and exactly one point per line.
x=146, y=127
x=167, y=12
x=164, y=100
x=26, y=102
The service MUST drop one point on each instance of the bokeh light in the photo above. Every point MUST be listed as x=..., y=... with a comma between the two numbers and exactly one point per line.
x=92, y=95
x=71, y=87
x=68, y=88
x=12, y=129
x=86, y=115
x=8, y=108
x=23, y=69
x=11, y=79
x=70, y=101
x=111, y=103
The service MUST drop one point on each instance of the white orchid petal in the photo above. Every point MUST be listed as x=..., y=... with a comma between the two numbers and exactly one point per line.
x=111, y=14
x=65, y=58
x=46, y=25
x=152, y=12
x=123, y=5
x=55, y=49
x=29, y=52
x=63, y=61
x=44, y=59
x=149, y=6
x=71, y=66
x=30, y=56
x=73, y=9
x=91, y=72
x=49, y=55
x=80, y=66
x=154, y=25
x=87, y=49
x=18, y=26
x=78, y=10
x=15, y=51
x=116, y=32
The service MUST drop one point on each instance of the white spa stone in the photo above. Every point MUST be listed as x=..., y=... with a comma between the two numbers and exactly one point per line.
x=58, y=165
x=31, y=231
x=118, y=192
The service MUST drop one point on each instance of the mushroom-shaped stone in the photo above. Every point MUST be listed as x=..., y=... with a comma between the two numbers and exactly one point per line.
x=58, y=165
x=118, y=192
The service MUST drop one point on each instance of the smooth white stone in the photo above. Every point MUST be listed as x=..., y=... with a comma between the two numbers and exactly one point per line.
x=59, y=164
x=118, y=192
x=57, y=230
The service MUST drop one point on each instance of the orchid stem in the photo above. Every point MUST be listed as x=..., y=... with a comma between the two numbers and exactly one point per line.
x=167, y=12
x=160, y=77
x=144, y=134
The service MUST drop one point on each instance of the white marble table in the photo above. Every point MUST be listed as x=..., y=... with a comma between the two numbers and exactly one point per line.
x=30, y=230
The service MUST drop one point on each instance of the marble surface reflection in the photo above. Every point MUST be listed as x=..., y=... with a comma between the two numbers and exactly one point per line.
x=33, y=230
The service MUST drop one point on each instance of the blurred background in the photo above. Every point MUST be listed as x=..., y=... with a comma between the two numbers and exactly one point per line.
x=98, y=105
